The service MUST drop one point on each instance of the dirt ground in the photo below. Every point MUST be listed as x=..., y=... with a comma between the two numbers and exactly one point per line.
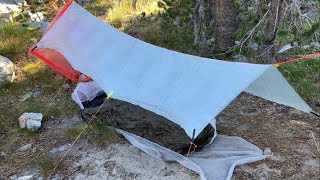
x=291, y=135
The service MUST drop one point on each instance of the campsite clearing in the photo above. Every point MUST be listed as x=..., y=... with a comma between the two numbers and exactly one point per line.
x=290, y=135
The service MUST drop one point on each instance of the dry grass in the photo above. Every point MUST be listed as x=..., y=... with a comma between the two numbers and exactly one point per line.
x=122, y=12
x=98, y=133
x=16, y=40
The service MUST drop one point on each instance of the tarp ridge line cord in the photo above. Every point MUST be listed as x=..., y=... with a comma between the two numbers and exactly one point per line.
x=297, y=59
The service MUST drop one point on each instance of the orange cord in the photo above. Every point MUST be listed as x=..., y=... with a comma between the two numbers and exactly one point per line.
x=189, y=152
x=296, y=59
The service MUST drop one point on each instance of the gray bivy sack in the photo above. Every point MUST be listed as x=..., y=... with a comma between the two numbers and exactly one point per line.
x=139, y=121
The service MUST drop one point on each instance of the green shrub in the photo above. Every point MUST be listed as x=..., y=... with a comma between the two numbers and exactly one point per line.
x=305, y=77
x=16, y=40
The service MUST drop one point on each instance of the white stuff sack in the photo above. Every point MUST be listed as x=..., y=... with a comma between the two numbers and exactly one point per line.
x=85, y=91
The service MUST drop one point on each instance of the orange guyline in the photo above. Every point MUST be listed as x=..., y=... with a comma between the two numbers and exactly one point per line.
x=297, y=59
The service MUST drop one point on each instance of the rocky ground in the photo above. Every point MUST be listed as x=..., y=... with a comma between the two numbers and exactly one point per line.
x=291, y=135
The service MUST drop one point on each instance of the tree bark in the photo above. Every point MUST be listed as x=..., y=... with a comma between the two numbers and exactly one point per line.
x=134, y=5
x=273, y=18
x=224, y=13
x=199, y=24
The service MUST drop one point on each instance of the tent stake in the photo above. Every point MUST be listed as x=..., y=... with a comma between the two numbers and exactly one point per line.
x=193, y=133
x=82, y=116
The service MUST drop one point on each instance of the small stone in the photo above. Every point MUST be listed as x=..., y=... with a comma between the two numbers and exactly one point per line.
x=66, y=86
x=19, y=71
x=306, y=47
x=177, y=21
x=3, y=154
x=14, y=177
x=312, y=14
x=109, y=166
x=58, y=151
x=287, y=47
x=267, y=152
x=153, y=19
x=315, y=44
x=29, y=177
x=251, y=8
x=240, y=58
x=20, y=2
x=37, y=16
x=33, y=40
x=254, y=46
x=210, y=41
x=119, y=171
x=25, y=147
x=26, y=96
x=37, y=93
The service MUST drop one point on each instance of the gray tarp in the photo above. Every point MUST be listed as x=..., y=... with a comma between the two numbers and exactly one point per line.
x=188, y=90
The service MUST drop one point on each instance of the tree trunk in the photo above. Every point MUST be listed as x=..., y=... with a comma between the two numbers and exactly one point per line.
x=134, y=5
x=199, y=24
x=224, y=13
x=273, y=18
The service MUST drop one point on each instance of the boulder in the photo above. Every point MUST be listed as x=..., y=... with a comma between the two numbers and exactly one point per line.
x=6, y=70
x=9, y=8
x=30, y=120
